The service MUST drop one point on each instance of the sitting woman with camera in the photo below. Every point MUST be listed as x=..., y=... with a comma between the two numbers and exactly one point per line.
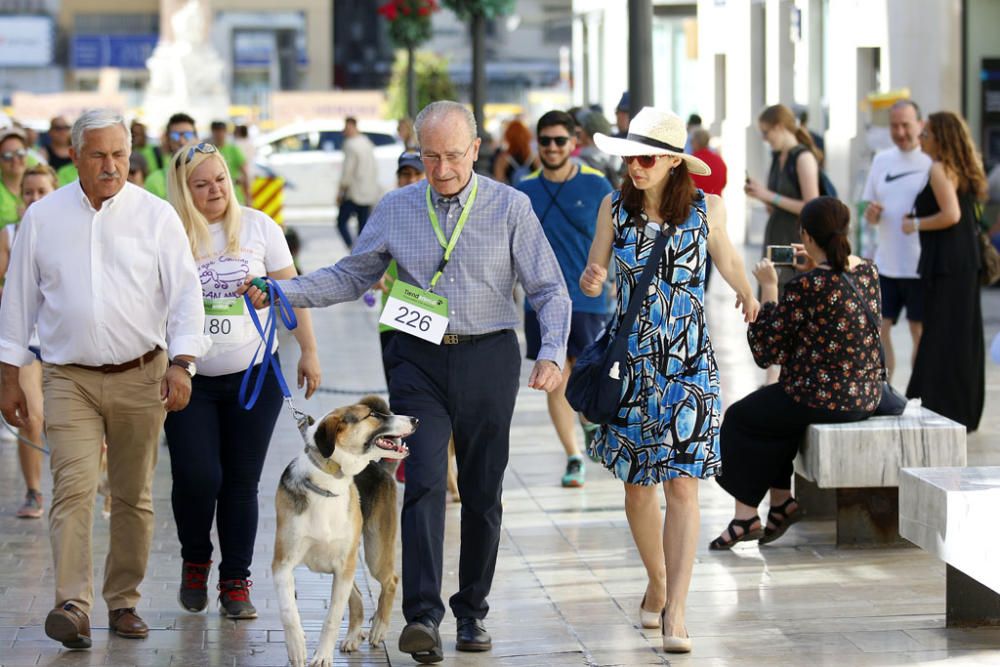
x=831, y=372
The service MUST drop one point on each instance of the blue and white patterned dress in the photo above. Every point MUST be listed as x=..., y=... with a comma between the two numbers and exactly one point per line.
x=668, y=425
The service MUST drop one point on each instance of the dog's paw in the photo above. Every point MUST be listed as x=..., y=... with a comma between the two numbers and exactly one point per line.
x=296, y=645
x=379, y=629
x=321, y=660
x=352, y=641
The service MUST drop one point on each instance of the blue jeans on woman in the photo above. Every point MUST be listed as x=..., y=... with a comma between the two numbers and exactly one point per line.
x=217, y=452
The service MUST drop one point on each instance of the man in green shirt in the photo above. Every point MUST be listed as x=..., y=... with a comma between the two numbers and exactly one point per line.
x=237, y=162
x=180, y=131
x=13, y=162
x=140, y=144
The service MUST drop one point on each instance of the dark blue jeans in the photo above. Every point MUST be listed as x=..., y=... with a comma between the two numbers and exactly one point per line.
x=217, y=452
x=347, y=209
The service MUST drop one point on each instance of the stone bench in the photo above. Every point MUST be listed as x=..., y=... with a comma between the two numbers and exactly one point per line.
x=851, y=471
x=952, y=513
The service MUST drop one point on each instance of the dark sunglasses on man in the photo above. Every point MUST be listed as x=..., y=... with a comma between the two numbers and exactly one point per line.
x=559, y=141
x=8, y=156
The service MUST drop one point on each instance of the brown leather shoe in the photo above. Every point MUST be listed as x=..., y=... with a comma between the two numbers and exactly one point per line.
x=126, y=623
x=69, y=625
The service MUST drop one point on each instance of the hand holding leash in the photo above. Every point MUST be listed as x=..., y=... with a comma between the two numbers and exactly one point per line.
x=256, y=291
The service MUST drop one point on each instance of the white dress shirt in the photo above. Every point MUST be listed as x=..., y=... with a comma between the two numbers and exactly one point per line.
x=104, y=287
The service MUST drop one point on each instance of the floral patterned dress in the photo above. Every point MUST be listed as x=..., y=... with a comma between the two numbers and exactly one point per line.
x=668, y=424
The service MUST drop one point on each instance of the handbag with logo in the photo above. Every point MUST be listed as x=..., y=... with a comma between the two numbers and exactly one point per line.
x=595, y=384
x=892, y=402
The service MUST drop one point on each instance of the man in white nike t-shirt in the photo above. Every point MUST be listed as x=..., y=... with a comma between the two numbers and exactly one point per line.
x=896, y=178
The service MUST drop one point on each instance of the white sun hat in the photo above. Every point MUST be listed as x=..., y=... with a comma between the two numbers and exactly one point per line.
x=653, y=132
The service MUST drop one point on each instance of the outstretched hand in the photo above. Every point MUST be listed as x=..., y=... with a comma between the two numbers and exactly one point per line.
x=258, y=297
x=750, y=306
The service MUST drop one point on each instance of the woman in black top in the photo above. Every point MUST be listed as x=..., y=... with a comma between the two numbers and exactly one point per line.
x=948, y=372
x=831, y=371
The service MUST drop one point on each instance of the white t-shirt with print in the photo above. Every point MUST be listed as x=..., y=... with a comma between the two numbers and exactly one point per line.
x=263, y=249
x=895, y=180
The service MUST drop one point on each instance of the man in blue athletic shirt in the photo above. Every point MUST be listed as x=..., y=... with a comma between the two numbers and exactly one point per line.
x=566, y=196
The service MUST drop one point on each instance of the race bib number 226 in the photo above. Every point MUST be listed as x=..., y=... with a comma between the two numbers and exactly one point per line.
x=415, y=311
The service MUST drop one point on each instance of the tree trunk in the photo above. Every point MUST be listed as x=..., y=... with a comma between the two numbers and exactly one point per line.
x=640, y=54
x=478, y=67
x=411, y=83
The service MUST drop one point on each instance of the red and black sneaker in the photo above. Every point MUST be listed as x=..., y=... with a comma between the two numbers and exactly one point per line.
x=193, y=594
x=234, y=598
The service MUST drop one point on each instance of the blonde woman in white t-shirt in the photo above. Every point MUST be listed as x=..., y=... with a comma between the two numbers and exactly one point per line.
x=217, y=448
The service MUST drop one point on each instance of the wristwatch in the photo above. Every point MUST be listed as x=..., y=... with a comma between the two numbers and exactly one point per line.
x=188, y=366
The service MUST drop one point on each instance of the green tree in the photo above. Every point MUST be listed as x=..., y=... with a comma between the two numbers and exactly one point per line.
x=477, y=12
x=431, y=82
x=409, y=27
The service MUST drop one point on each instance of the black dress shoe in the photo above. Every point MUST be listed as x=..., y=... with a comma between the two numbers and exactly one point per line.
x=421, y=640
x=472, y=636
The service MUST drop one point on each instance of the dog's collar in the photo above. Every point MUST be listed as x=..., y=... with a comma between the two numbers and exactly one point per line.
x=310, y=454
x=309, y=484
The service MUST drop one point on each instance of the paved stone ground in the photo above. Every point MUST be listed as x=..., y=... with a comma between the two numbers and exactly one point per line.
x=569, y=579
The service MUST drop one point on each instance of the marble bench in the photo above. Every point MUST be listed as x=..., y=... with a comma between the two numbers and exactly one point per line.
x=952, y=514
x=851, y=471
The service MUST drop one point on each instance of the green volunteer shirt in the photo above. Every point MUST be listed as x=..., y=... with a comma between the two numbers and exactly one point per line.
x=156, y=183
x=9, y=204
x=235, y=160
x=67, y=174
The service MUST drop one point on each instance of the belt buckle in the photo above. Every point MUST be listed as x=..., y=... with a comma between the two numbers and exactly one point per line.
x=450, y=339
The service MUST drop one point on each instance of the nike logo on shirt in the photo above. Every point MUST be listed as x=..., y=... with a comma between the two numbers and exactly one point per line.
x=889, y=178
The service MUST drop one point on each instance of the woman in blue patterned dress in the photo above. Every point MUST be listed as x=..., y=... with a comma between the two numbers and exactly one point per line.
x=667, y=431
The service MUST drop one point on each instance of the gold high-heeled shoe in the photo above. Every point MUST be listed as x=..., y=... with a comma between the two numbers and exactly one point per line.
x=674, y=644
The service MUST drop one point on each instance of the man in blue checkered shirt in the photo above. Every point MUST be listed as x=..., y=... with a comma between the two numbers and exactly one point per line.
x=467, y=385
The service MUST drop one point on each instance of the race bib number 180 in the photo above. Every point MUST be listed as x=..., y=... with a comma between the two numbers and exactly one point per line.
x=417, y=312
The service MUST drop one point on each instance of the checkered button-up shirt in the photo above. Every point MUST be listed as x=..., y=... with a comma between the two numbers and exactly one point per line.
x=501, y=243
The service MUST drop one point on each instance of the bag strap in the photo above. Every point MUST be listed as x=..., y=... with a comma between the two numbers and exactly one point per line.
x=871, y=318
x=639, y=291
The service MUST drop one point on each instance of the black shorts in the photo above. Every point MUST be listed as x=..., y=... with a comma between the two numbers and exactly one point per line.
x=584, y=329
x=899, y=293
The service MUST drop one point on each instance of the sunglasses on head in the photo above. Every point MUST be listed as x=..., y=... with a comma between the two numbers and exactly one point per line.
x=645, y=161
x=559, y=141
x=10, y=155
x=203, y=147
x=187, y=135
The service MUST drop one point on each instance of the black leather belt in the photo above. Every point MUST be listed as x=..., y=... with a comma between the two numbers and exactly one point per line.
x=455, y=339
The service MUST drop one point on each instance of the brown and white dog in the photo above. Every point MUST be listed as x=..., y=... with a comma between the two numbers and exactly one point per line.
x=334, y=493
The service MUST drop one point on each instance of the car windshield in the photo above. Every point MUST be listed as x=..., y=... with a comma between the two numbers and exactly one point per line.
x=334, y=140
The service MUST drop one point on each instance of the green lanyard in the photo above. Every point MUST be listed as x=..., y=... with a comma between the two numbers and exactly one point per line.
x=449, y=246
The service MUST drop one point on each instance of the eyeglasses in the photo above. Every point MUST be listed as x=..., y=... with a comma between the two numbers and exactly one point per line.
x=59, y=127
x=204, y=147
x=8, y=156
x=450, y=157
x=645, y=161
x=559, y=141
x=187, y=135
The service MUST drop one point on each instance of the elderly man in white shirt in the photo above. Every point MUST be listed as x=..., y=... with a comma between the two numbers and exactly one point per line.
x=104, y=270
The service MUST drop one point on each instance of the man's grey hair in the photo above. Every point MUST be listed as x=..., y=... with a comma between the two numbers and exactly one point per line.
x=97, y=119
x=700, y=138
x=435, y=111
x=902, y=104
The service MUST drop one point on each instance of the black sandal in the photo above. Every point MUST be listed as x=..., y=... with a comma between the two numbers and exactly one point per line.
x=719, y=544
x=782, y=520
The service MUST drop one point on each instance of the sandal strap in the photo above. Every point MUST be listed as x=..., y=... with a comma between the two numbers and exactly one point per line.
x=781, y=511
x=742, y=523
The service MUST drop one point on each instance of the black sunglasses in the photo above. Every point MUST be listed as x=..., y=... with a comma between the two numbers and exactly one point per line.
x=559, y=141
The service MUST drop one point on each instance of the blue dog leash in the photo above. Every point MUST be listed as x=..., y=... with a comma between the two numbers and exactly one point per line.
x=279, y=306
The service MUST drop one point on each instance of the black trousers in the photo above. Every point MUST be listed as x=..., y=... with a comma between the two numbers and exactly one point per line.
x=467, y=390
x=760, y=437
x=217, y=452
x=346, y=210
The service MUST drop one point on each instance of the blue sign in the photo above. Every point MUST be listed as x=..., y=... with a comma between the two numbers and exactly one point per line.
x=121, y=51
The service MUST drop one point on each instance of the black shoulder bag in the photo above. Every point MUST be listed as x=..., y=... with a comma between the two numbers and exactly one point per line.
x=892, y=402
x=595, y=385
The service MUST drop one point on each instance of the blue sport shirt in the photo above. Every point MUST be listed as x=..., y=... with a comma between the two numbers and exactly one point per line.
x=568, y=214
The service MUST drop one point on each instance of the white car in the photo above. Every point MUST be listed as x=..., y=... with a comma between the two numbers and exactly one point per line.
x=308, y=156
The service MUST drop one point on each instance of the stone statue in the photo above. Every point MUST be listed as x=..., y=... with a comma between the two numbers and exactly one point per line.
x=185, y=72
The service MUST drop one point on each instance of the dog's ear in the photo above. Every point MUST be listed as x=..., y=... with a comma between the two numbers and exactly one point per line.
x=325, y=437
x=376, y=404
